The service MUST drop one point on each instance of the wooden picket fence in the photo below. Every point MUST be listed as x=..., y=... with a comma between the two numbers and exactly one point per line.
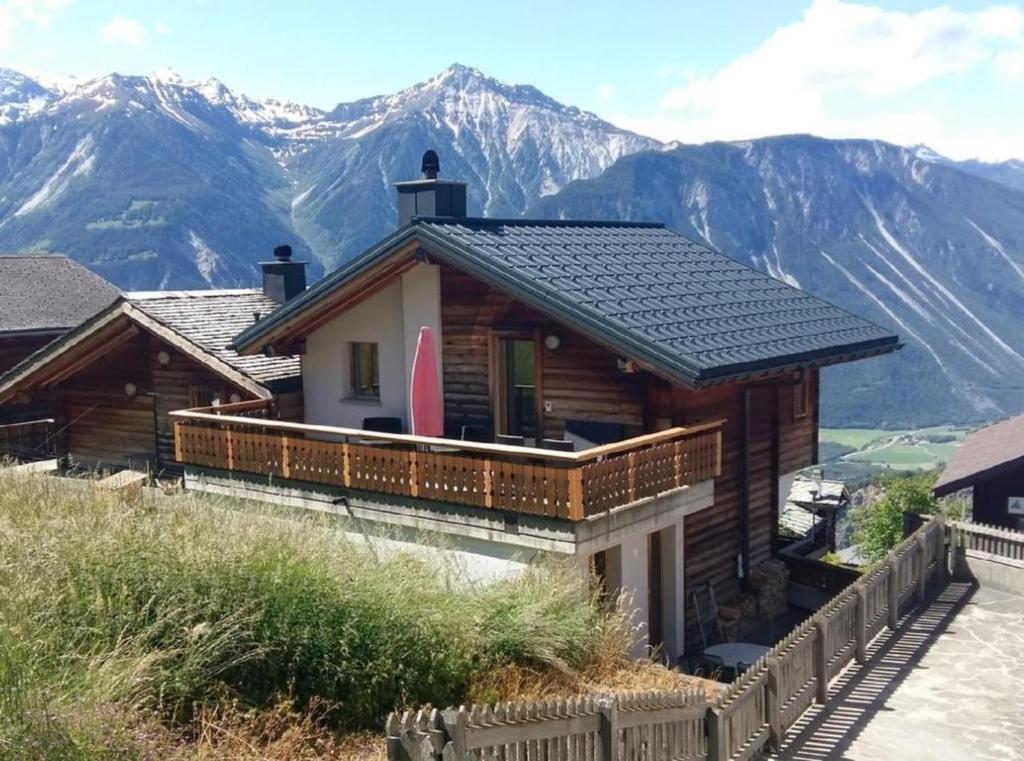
x=988, y=542
x=655, y=726
x=751, y=715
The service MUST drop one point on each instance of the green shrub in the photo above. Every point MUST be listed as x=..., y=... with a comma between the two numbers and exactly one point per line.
x=879, y=525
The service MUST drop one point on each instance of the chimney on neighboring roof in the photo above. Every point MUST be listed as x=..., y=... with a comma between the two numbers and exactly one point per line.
x=430, y=197
x=283, y=279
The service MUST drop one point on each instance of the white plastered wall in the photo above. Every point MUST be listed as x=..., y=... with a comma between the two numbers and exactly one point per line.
x=391, y=318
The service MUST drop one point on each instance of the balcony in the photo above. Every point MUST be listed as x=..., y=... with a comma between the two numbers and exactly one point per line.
x=245, y=439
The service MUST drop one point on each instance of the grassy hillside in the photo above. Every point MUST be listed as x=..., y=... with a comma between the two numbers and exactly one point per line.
x=185, y=629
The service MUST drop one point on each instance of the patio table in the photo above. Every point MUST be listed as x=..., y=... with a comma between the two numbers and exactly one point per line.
x=734, y=653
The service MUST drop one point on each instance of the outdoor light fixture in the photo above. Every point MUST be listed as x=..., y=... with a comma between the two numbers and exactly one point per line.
x=235, y=398
x=163, y=358
x=129, y=389
x=552, y=341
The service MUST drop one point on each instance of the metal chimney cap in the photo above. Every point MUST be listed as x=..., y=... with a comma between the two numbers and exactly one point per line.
x=431, y=166
x=283, y=253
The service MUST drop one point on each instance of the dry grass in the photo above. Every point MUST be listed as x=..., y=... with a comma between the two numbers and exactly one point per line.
x=515, y=683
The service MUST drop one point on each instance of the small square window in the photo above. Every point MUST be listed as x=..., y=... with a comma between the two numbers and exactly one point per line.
x=365, y=371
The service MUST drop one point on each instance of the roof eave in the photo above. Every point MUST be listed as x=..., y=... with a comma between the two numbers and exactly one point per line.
x=943, y=489
x=249, y=340
x=832, y=355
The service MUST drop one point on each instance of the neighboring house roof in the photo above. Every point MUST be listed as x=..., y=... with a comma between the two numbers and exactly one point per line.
x=818, y=493
x=44, y=293
x=198, y=323
x=211, y=319
x=643, y=290
x=809, y=499
x=982, y=455
x=798, y=520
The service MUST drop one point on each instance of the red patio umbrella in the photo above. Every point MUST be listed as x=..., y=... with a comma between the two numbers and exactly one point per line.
x=426, y=410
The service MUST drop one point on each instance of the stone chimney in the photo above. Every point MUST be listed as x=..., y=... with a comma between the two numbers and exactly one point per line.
x=430, y=197
x=283, y=279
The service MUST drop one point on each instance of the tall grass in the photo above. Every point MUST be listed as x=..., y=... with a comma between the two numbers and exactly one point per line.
x=161, y=611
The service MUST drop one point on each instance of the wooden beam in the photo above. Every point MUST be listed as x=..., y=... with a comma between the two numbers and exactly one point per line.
x=99, y=346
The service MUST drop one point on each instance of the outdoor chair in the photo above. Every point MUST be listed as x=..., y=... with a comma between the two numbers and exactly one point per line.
x=383, y=424
x=511, y=441
x=558, y=445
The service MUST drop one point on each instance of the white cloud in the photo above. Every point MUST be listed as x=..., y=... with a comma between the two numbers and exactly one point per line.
x=1010, y=65
x=604, y=92
x=123, y=31
x=17, y=13
x=844, y=70
x=161, y=28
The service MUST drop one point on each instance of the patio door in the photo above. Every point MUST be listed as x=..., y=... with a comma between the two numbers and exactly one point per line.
x=517, y=388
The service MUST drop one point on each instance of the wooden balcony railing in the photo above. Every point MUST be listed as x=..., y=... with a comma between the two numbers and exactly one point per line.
x=570, y=485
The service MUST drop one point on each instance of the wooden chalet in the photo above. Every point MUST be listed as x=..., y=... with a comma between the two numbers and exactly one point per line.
x=41, y=298
x=990, y=463
x=612, y=391
x=112, y=381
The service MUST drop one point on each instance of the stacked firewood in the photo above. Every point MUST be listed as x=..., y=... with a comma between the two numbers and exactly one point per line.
x=769, y=583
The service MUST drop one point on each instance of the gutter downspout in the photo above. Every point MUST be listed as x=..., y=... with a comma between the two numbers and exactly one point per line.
x=744, y=563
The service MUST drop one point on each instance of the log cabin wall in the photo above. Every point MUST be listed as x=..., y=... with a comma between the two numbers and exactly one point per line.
x=102, y=425
x=12, y=351
x=580, y=379
x=15, y=349
x=779, y=441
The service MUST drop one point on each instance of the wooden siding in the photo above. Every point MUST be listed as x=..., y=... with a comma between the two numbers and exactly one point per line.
x=714, y=538
x=580, y=379
x=15, y=349
x=101, y=424
x=990, y=499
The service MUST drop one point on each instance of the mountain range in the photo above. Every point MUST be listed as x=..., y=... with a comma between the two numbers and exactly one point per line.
x=158, y=182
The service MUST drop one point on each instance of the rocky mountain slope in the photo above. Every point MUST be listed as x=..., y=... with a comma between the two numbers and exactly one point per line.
x=920, y=246
x=157, y=182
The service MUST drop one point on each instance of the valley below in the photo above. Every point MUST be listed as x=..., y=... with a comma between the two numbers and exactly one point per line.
x=859, y=455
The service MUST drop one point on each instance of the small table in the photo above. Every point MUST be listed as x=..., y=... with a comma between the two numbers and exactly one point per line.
x=734, y=653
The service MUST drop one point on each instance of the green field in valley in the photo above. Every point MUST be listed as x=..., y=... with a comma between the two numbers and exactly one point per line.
x=920, y=449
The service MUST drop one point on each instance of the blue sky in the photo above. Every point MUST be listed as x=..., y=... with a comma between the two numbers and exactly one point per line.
x=948, y=75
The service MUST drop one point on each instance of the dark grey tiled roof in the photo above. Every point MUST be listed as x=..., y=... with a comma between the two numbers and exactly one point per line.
x=45, y=292
x=677, y=300
x=210, y=319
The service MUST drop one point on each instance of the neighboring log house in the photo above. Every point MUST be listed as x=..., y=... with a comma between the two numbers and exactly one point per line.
x=112, y=381
x=41, y=298
x=612, y=392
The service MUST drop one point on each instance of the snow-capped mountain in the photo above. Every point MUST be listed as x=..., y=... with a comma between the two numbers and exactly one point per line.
x=906, y=239
x=512, y=143
x=157, y=181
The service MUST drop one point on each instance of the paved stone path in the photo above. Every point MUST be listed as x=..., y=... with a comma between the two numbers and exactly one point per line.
x=948, y=685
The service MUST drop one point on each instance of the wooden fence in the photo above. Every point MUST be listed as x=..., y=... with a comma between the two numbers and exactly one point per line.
x=754, y=712
x=988, y=542
x=572, y=485
x=655, y=726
